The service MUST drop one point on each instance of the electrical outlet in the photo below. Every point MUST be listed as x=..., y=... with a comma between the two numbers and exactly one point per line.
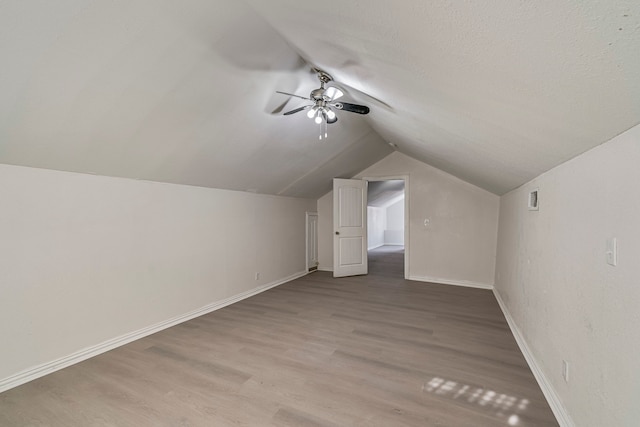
x=257, y=276
x=565, y=371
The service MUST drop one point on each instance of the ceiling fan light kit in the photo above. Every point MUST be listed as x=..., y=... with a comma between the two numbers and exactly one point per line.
x=324, y=103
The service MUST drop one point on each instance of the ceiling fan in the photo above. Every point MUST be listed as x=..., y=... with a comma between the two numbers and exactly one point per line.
x=324, y=104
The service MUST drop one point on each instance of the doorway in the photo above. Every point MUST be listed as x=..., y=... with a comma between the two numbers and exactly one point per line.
x=386, y=226
x=312, y=241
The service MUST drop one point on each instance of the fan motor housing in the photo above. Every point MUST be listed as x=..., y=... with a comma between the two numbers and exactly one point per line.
x=317, y=94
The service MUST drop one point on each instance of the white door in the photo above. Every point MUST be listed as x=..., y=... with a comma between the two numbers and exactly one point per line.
x=350, y=227
x=312, y=241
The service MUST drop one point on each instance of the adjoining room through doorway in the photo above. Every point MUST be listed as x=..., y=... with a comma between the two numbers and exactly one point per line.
x=385, y=226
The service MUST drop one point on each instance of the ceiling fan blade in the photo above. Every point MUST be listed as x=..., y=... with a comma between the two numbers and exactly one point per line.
x=369, y=99
x=297, y=110
x=280, y=107
x=291, y=94
x=352, y=108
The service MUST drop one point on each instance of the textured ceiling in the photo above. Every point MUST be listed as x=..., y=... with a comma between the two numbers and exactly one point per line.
x=172, y=91
x=183, y=91
x=494, y=92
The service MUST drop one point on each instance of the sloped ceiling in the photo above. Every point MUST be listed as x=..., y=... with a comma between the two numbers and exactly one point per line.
x=183, y=91
x=493, y=92
x=382, y=194
x=171, y=91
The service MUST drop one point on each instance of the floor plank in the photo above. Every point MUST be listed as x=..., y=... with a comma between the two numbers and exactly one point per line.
x=373, y=350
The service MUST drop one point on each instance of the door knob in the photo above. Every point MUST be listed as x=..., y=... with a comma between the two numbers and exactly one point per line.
x=337, y=232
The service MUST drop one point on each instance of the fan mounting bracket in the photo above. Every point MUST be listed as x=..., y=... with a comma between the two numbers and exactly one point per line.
x=323, y=76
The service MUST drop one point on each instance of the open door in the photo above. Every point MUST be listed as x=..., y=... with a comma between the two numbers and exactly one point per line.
x=350, y=227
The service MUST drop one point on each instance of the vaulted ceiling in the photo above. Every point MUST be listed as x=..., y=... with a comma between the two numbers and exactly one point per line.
x=184, y=91
x=382, y=194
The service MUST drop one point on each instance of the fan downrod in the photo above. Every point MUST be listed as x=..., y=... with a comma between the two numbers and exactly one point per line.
x=324, y=77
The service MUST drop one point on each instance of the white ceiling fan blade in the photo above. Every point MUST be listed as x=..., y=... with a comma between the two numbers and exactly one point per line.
x=292, y=94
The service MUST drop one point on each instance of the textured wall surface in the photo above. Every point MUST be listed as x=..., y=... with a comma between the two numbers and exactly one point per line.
x=459, y=242
x=568, y=303
x=84, y=259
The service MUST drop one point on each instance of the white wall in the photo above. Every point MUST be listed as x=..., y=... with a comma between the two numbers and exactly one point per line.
x=394, y=230
x=395, y=216
x=564, y=298
x=84, y=258
x=376, y=224
x=458, y=246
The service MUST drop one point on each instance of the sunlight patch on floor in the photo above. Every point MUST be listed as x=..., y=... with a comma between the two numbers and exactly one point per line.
x=503, y=404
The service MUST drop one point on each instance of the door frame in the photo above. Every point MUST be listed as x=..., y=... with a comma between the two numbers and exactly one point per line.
x=407, y=235
x=306, y=239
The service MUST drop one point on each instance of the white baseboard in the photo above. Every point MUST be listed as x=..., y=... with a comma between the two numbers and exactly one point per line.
x=376, y=246
x=547, y=389
x=86, y=353
x=466, y=283
x=330, y=270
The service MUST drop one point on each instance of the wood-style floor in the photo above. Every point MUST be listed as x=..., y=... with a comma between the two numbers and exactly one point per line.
x=372, y=350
